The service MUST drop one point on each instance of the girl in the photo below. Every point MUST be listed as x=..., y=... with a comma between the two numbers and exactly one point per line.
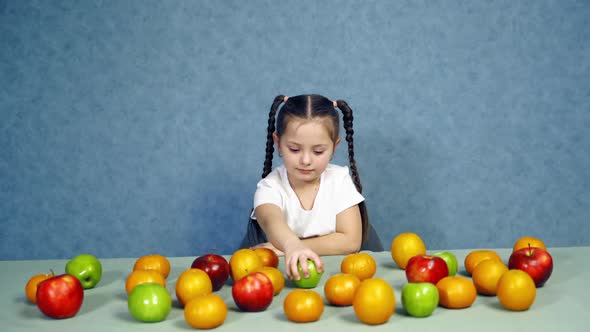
x=307, y=206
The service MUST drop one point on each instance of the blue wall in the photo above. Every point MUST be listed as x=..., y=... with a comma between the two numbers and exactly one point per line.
x=132, y=127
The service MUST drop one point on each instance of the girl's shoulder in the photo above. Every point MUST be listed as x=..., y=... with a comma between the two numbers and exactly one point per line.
x=336, y=171
x=333, y=168
x=275, y=177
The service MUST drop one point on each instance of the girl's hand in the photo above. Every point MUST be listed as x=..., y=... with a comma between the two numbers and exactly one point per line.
x=269, y=246
x=298, y=253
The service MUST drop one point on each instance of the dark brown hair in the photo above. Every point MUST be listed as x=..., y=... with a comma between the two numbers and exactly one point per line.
x=313, y=107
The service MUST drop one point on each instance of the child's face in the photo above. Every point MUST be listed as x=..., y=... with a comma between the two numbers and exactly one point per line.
x=306, y=147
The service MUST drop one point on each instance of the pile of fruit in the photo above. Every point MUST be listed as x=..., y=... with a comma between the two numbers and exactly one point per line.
x=432, y=282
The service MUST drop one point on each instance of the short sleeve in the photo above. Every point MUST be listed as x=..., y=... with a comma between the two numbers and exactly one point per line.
x=346, y=192
x=267, y=192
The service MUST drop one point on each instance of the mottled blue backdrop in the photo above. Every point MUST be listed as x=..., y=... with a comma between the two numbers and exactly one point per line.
x=133, y=127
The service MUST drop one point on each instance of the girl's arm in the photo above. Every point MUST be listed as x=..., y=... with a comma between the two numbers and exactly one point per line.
x=347, y=238
x=273, y=223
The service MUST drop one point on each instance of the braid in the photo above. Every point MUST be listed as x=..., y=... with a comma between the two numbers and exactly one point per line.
x=270, y=130
x=347, y=122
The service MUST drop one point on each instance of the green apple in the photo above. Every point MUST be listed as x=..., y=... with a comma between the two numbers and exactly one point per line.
x=450, y=259
x=314, y=276
x=85, y=268
x=420, y=298
x=149, y=302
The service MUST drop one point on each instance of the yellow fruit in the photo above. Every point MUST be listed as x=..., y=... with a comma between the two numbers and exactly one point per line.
x=153, y=262
x=456, y=292
x=516, y=290
x=477, y=256
x=205, y=311
x=486, y=275
x=374, y=301
x=405, y=246
x=360, y=264
x=525, y=241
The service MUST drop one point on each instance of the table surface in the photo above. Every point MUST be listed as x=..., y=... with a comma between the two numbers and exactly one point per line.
x=559, y=306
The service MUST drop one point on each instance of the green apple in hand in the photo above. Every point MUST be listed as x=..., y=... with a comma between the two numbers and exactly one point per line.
x=420, y=298
x=149, y=302
x=450, y=259
x=313, y=279
x=85, y=268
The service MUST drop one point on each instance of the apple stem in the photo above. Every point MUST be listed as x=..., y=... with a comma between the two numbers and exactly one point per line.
x=51, y=270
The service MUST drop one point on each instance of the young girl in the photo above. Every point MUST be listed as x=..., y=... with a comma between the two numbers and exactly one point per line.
x=307, y=207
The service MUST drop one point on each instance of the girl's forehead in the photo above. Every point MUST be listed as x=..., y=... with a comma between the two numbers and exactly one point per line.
x=308, y=130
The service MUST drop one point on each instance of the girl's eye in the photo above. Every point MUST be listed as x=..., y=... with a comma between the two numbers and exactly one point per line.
x=293, y=150
x=318, y=152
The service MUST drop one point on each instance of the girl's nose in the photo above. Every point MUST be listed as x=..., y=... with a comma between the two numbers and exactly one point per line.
x=305, y=158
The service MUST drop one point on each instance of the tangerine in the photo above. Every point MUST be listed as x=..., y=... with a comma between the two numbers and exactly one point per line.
x=455, y=292
x=360, y=264
x=154, y=262
x=477, y=256
x=303, y=306
x=340, y=289
x=31, y=286
x=138, y=277
x=276, y=278
x=205, y=311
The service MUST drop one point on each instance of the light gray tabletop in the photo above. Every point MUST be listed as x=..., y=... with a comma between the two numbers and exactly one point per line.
x=560, y=305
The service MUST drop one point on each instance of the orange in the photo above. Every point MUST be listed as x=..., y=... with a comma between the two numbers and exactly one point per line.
x=205, y=311
x=360, y=264
x=340, y=289
x=154, y=262
x=405, y=246
x=31, y=286
x=276, y=278
x=525, y=241
x=303, y=306
x=138, y=277
x=243, y=262
x=455, y=292
x=267, y=256
x=477, y=256
x=192, y=283
x=486, y=275
x=516, y=290
x=374, y=301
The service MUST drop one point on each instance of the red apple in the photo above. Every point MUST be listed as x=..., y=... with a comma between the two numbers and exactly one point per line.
x=425, y=268
x=253, y=292
x=60, y=296
x=216, y=267
x=535, y=261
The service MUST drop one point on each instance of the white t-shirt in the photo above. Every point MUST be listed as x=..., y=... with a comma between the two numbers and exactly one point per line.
x=336, y=194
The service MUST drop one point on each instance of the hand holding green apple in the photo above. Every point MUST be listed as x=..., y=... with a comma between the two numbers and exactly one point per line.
x=312, y=280
x=86, y=268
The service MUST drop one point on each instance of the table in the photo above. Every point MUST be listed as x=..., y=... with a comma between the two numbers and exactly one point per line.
x=559, y=306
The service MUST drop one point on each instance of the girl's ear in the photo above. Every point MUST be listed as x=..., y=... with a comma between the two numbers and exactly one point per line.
x=275, y=138
x=336, y=143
